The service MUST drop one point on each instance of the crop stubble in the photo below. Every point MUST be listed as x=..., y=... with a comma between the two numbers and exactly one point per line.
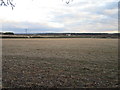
x=72, y=62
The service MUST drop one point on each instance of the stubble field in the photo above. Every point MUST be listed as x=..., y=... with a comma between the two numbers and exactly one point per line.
x=65, y=62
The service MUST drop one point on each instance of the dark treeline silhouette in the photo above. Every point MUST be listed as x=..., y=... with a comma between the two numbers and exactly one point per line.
x=61, y=35
x=77, y=33
x=6, y=33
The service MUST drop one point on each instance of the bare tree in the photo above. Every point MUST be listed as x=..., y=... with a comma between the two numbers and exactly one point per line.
x=68, y=1
x=7, y=3
x=10, y=3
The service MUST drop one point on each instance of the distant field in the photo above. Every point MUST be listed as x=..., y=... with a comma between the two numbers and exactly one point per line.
x=65, y=62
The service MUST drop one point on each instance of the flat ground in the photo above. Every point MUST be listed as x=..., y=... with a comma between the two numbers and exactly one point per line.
x=70, y=62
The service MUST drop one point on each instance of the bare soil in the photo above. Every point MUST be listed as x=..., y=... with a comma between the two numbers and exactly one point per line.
x=64, y=62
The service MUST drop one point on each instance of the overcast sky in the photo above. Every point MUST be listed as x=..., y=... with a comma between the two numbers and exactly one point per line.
x=79, y=16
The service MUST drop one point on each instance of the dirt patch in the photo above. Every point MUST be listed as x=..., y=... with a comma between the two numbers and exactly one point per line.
x=72, y=62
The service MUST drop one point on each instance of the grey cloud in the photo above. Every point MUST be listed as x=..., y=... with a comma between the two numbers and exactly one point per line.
x=19, y=27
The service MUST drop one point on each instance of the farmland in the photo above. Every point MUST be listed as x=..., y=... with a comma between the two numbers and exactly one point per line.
x=60, y=62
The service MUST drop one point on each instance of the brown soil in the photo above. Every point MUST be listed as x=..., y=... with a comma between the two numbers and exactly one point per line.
x=73, y=62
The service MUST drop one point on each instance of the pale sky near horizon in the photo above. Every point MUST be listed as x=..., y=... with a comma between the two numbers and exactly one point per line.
x=55, y=16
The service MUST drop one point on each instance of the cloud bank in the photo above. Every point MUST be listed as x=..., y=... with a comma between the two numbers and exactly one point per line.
x=57, y=16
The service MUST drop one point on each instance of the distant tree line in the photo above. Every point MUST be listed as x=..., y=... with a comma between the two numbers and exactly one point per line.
x=7, y=33
x=77, y=33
